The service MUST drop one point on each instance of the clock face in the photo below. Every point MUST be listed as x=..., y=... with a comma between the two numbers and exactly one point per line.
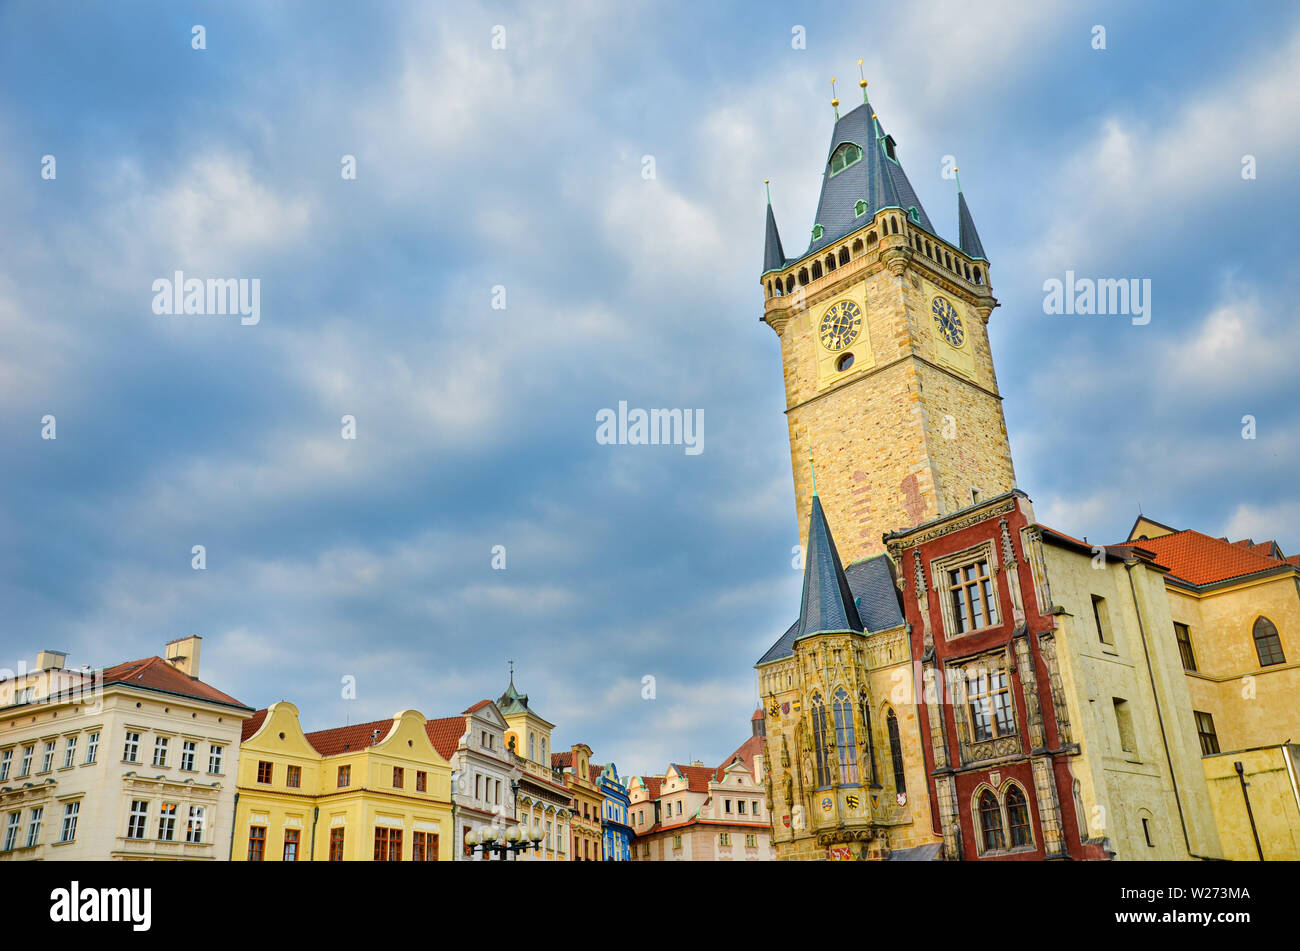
x=840, y=325
x=950, y=326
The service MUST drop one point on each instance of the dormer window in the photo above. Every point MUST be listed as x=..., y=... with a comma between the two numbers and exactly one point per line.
x=818, y=231
x=844, y=156
x=914, y=214
x=859, y=208
x=889, y=147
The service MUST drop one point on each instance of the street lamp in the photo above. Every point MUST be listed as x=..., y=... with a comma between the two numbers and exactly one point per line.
x=517, y=839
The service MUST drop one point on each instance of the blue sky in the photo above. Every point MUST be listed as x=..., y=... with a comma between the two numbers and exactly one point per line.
x=522, y=168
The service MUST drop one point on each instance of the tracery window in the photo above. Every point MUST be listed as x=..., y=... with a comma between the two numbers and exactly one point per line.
x=844, y=738
x=990, y=815
x=1018, y=818
x=896, y=751
x=820, y=728
x=870, y=767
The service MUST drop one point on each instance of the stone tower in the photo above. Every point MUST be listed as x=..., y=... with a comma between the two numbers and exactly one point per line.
x=889, y=378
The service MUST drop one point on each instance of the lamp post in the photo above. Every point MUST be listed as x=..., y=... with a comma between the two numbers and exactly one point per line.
x=517, y=839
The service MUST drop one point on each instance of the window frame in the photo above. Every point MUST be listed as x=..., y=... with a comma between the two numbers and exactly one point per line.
x=845, y=148
x=1183, y=636
x=1273, y=641
x=942, y=568
x=1206, y=733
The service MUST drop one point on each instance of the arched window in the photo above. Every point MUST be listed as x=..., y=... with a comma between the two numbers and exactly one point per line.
x=896, y=751
x=818, y=231
x=844, y=256
x=859, y=208
x=871, y=237
x=819, y=740
x=857, y=245
x=816, y=270
x=1018, y=818
x=844, y=156
x=803, y=276
x=830, y=262
x=532, y=747
x=990, y=822
x=844, y=738
x=864, y=705
x=789, y=284
x=893, y=225
x=1267, y=643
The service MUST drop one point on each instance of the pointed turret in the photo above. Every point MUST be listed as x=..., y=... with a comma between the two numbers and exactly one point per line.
x=968, y=239
x=773, y=253
x=864, y=177
x=828, y=604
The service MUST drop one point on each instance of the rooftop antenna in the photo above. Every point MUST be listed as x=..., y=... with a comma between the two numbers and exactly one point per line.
x=862, y=80
x=835, y=102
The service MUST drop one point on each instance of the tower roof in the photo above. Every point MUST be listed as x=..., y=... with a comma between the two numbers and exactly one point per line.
x=512, y=701
x=773, y=253
x=968, y=239
x=876, y=178
x=828, y=603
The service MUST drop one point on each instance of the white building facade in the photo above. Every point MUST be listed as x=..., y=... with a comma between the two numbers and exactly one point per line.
x=136, y=761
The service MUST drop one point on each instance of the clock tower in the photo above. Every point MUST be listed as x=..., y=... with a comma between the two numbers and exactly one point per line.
x=883, y=324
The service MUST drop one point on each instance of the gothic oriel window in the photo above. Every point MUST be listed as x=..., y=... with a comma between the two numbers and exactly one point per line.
x=820, y=728
x=990, y=815
x=1018, y=818
x=1268, y=645
x=844, y=156
x=896, y=751
x=844, y=739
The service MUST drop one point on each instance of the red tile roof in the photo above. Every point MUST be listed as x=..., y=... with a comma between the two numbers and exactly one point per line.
x=758, y=715
x=252, y=725
x=653, y=785
x=477, y=707
x=1199, y=559
x=154, y=673
x=745, y=753
x=445, y=733
x=562, y=760
x=348, y=739
x=697, y=777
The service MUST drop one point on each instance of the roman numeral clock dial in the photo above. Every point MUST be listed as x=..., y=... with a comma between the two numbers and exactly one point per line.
x=840, y=325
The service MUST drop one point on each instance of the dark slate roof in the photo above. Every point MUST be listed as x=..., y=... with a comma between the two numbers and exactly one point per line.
x=862, y=599
x=878, y=179
x=968, y=238
x=874, y=594
x=773, y=253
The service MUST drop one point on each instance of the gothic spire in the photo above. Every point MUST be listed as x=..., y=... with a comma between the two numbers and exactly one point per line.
x=968, y=239
x=828, y=604
x=773, y=253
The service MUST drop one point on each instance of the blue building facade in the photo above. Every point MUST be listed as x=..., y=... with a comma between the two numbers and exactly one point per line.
x=615, y=831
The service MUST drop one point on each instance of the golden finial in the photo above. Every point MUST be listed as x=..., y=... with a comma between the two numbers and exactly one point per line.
x=862, y=80
x=835, y=102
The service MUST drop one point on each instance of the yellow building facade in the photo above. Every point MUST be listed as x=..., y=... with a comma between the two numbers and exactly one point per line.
x=1235, y=619
x=375, y=791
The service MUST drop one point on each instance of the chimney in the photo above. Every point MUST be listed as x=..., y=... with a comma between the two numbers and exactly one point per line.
x=50, y=660
x=183, y=654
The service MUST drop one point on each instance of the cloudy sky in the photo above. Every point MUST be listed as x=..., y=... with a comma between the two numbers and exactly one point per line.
x=522, y=168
